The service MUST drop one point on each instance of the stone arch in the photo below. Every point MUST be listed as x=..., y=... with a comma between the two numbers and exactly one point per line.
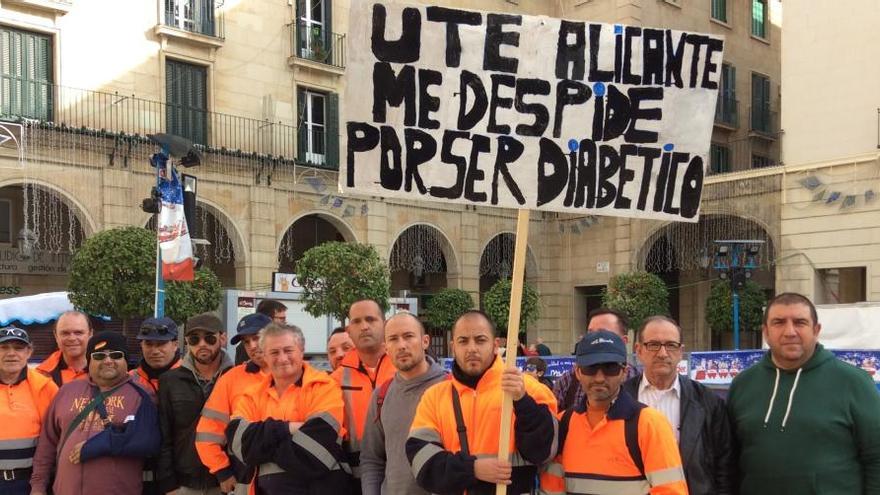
x=439, y=273
x=532, y=267
x=286, y=244
x=86, y=221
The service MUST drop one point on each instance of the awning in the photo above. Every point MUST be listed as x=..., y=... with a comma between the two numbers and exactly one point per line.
x=36, y=309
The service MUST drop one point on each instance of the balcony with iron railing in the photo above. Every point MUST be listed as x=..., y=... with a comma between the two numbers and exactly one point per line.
x=199, y=17
x=128, y=119
x=312, y=42
x=763, y=122
x=727, y=112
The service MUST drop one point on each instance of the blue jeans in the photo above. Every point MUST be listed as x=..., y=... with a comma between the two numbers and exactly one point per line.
x=15, y=487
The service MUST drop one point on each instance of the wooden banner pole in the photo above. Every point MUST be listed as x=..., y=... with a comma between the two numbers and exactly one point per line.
x=516, y=287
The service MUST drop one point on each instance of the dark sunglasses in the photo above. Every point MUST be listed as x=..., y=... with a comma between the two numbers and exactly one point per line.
x=608, y=369
x=195, y=338
x=102, y=355
x=13, y=332
x=160, y=329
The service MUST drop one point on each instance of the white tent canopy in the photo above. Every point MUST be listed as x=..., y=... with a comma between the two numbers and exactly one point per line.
x=36, y=309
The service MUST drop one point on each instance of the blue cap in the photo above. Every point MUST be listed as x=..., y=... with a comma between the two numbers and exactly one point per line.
x=600, y=347
x=158, y=329
x=250, y=325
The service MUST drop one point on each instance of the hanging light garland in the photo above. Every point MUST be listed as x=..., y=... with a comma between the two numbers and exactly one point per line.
x=418, y=250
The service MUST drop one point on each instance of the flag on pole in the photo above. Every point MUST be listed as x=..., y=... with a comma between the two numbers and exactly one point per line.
x=174, y=241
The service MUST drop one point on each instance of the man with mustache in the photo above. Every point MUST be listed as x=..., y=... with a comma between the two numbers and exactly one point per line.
x=698, y=416
x=453, y=441
x=362, y=370
x=338, y=345
x=210, y=430
x=72, y=332
x=611, y=444
x=384, y=466
x=25, y=396
x=182, y=394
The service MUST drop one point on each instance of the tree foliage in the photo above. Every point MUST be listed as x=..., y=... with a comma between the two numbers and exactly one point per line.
x=446, y=306
x=334, y=275
x=496, y=302
x=113, y=274
x=637, y=295
x=719, y=307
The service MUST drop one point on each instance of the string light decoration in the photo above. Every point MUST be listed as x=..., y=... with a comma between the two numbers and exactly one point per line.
x=497, y=258
x=418, y=250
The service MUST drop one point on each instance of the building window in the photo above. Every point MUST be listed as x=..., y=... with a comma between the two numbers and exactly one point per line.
x=759, y=18
x=719, y=159
x=314, y=29
x=760, y=104
x=5, y=221
x=841, y=285
x=186, y=91
x=318, y=128
x=761, y=161
x=25, y=74
x=719, y=10
x=725, y=110
x=195, y=16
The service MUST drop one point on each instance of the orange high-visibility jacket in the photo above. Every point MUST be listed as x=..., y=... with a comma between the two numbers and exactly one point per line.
x=259, y=435
x=598, y=461
x=211, y=429
x=55, y=368
x=434, y=449
x=23, y=407
x=357, y=388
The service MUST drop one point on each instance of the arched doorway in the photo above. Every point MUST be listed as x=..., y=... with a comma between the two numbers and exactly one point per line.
x=681, y=254
x=496, y=261
x=214, y=245
x=39, y=232
x=305, y=233
x=418, y=262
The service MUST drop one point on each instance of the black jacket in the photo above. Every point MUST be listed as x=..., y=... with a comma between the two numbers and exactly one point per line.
x=705, y=438
x=181, y=398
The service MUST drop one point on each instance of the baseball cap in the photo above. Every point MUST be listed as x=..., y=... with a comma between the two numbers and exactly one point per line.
x=12, y=334
x=600, y=347
x=106, y=341
x=158, y=329
x=206, y=322
x=250, y=325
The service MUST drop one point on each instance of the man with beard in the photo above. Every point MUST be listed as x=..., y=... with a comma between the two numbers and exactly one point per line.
x=210, y=439
x=287, y=425
x=338, y=346
x=362, y=371
x=72, y=332
x=24, y=401
x=75, y=444
x=453, y=441
x=182, y=394
x=611, y=444
x=698, y=417
x=384, y=466
x=159, y=348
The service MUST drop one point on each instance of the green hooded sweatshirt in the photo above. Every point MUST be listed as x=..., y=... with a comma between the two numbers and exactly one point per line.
x=814, y=430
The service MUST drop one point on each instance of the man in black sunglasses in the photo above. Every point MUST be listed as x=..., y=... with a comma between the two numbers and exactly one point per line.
x=158, y=339
x=610, y=443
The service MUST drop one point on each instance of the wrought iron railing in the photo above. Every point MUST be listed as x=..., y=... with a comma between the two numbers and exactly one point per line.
x=115, y=115
x=195, y=16
x=739, y=155
x=726, y=111
x=763, y=120
x=311, y=41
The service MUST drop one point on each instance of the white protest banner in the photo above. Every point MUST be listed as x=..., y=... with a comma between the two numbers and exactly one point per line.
x=527, y=112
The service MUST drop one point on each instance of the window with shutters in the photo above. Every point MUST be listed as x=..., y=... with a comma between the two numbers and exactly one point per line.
x=759, y=18
x=186, y=91
x=760, y=120
x=195, y=16
x=720, y=159
x=318, y=128
x=25, y=74
x=719, y=10
x=725, y=110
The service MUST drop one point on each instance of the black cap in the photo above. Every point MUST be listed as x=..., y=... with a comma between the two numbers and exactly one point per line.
x=14, y=334
x=250, y=325
x=158, y=329
x=600, y=347
x=106, y=341
x=206, y=322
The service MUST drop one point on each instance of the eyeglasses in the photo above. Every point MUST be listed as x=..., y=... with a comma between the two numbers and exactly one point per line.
x=195, y=338
x=13, y=332
x=160, y=329
x=102, y=355
x=608, y=369
x=654, y=346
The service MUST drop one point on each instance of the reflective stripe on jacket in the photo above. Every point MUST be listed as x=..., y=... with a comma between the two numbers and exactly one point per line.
x=597, y=460
x=23, y=407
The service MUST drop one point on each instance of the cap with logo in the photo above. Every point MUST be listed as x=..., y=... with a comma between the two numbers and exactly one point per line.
x=14, y=334
x=106, y=341
x=250, y=325
x=600, y=347
x=158, y=329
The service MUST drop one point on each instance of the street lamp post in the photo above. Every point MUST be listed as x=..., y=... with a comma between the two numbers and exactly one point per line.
x=735, y=260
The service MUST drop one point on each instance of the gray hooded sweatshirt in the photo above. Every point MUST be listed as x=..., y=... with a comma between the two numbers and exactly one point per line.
x=384, y=466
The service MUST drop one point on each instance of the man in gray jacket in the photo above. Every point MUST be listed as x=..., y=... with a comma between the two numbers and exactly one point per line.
x=698, y=416
x=384, y=466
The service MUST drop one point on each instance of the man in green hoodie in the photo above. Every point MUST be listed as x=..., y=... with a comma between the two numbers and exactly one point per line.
x=805, y=422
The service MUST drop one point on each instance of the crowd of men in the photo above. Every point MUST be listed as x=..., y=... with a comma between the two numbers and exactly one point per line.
x=389, y=420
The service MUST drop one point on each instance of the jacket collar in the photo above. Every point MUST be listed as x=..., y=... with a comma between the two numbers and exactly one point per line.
x=623, y=407
x=490, y=379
